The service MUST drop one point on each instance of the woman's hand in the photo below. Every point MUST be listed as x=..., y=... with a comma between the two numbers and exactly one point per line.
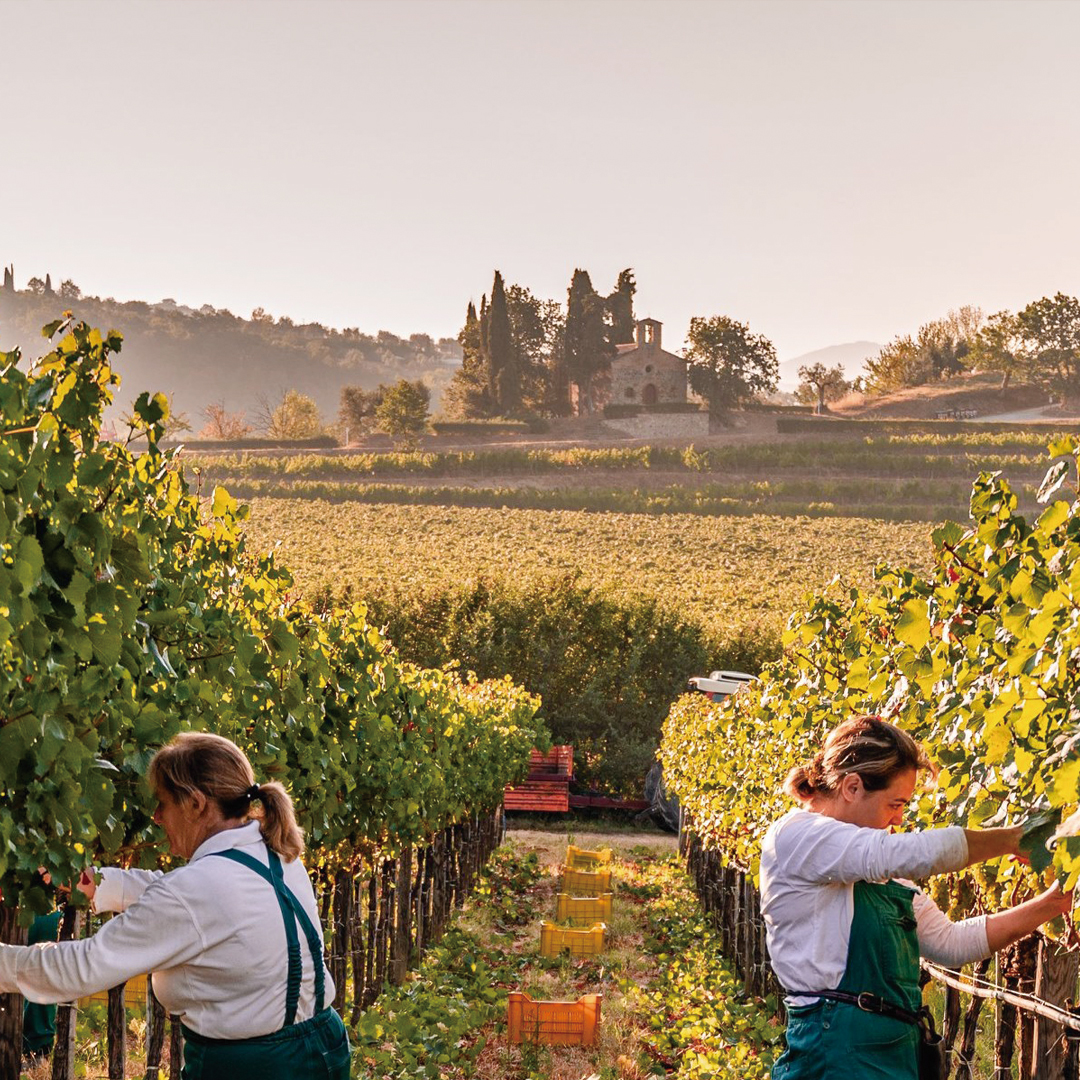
x=1057, y=901
x=86, y=884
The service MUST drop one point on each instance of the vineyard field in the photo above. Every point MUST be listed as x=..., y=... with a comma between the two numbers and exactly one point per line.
x=728, y=573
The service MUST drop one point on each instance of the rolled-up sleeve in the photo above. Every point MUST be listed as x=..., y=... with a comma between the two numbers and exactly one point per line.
x=819, y=850
x=951, y=944
x=119, y=889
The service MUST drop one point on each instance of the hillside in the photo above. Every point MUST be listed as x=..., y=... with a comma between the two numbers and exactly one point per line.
x=980, y=394
x=850, y=357
x=199, y=357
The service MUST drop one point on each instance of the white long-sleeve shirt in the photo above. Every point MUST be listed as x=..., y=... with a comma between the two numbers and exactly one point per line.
x=211, y=932
x=809, y=866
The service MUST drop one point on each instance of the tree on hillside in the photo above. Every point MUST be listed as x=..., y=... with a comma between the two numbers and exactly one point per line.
x=223, y=425
x=403, y=411
x=587, y=348
x=36, y=286
x=937, y=351
x=69, y=290
x=999, y=347
x=357, y=413
x=1050, y=328
x=292, y=416
x=729, y=365
x=504, y=375
x=620, y=305
x=819, y=384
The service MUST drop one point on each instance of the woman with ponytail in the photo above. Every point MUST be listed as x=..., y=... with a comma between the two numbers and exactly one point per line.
x=232, y=938
x=844, y=923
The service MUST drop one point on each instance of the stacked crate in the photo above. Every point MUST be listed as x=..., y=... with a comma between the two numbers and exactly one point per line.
x=584, y=902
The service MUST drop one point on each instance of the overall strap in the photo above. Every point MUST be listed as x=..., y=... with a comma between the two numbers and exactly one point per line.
x=292, y=987
x=314, y=941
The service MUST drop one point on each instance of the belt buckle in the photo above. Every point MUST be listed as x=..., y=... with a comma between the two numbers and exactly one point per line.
x=869, y=1004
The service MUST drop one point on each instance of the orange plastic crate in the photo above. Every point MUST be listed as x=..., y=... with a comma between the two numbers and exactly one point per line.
x=584, y=882
x=582, y=910
x=556, y=1023
x=580, y=859
x=555, y=940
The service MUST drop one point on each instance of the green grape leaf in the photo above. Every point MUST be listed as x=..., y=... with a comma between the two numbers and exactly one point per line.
x=1037, y=831
x=948, y=532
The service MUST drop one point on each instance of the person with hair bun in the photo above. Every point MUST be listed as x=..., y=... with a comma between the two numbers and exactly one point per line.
x=232, y=938
x=845, y=926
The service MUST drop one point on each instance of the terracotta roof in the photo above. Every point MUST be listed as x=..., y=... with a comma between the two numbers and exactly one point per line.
x=630, y=346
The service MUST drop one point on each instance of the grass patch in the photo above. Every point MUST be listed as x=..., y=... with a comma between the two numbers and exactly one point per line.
x=670, y=1005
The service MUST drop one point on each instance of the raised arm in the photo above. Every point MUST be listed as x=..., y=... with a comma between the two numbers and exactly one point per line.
x=986, y=844
x=1005, y=927
x=158, y=933
x=820, y=850
x=118, y=889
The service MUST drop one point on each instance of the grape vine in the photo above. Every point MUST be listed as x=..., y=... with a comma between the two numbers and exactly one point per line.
x=979, y=659
x=131, y=609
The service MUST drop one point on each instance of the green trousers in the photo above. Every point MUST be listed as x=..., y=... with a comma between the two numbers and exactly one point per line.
x=833, y=1040
x=317, y=1049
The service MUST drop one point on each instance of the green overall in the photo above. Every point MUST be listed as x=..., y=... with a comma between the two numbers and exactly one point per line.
x=316, y=1049
x=39, y=1021
x=832, y=1040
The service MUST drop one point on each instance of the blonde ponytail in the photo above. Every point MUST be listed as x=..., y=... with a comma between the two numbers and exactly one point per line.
x=219, y=769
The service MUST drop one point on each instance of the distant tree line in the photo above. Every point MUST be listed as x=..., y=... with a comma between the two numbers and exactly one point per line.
x=1039, y=345
x=208, y=358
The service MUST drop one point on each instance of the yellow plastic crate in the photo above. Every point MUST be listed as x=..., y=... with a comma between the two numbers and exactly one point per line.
x=555, y=940
x=580, y=859
x=556, y=1023
x=584, y=882
x=134, y=993
x=582, y=910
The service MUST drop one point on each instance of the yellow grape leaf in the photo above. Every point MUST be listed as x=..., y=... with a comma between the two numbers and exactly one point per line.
x=1066, y=787
x=913, y=626
x=997, y=741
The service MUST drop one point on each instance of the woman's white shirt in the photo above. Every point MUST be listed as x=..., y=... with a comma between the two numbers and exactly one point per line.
x=211, y=932
x=809, y=865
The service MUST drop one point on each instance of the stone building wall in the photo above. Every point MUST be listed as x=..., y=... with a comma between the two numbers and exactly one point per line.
x=633, y=373
x=661, y=425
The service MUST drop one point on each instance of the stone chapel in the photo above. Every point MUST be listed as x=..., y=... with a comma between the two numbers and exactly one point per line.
x=642, y=373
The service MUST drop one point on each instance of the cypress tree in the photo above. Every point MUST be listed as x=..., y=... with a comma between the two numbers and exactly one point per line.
x=620, y=305
x=48, y=285
x=505, y=381
x=587, y=347
x=467, y=395
x=485, y=352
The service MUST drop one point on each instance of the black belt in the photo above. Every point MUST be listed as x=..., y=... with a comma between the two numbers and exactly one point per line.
x=868, y=1003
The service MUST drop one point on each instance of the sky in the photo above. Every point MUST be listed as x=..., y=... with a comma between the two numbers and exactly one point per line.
x=825, y=172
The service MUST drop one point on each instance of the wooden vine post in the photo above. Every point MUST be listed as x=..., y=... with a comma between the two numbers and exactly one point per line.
x=64, y=1046
x=116, y=1033
x=1056, y=983
x=11, y=1005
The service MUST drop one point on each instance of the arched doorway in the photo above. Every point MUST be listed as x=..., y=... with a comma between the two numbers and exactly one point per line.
x=648, y=395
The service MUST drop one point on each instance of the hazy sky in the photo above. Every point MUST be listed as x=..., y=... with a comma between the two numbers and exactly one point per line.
x=824, y=171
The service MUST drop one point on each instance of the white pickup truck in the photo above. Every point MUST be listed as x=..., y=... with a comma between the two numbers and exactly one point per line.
x=719, y=684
